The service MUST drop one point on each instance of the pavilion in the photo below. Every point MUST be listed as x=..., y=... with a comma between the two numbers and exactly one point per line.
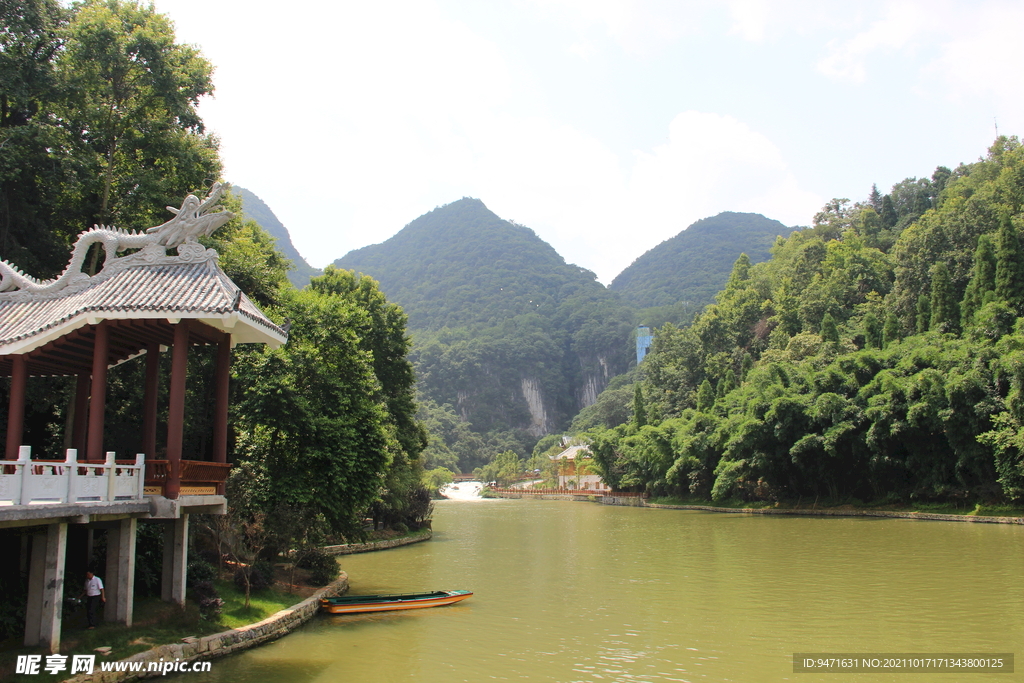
x=166, y=292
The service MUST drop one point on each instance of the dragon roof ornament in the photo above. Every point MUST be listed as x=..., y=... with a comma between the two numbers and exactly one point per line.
x=193, y=220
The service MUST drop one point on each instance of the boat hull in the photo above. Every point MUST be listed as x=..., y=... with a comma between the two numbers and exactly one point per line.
x=388, y=603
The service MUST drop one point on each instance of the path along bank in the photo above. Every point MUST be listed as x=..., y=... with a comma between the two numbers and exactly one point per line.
x=636, y=500
x=244, y=637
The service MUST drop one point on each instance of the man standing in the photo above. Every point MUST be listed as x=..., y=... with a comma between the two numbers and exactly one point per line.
x=94, y=594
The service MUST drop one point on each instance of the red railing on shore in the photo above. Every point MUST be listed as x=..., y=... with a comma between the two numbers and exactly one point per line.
x=571, y=492
x=193, y=473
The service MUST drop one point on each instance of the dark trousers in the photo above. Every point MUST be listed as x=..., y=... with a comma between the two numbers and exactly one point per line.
x=92, y=603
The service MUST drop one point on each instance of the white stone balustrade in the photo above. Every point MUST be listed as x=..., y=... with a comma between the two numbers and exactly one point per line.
x=35, y=482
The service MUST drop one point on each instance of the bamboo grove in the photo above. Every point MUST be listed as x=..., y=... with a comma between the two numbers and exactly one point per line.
x=878, y=356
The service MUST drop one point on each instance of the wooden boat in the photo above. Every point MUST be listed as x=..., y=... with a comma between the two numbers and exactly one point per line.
x=349, y=604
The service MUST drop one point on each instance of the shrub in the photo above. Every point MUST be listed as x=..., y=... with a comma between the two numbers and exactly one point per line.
x=323, y=567
x=210, y=603
x=200, y=571
x=260, y=576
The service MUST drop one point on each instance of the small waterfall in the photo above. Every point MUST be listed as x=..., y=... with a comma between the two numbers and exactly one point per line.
x=463, y=490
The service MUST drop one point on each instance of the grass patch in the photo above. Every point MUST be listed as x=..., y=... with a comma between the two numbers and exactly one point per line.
x=262, y=604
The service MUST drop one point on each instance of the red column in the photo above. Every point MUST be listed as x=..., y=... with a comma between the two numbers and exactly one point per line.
x=220, y=416
x=149, y=402
x=78, y=429
x=176, y=408
x=98, y=399
x=16, y=407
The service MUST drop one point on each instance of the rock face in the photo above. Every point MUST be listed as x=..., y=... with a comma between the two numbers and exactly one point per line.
x=535, y=402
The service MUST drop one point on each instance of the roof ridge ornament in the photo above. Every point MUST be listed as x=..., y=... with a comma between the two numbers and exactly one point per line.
x=193, y=220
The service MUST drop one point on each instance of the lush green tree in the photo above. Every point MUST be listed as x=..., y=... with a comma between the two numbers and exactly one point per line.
x=829, y=330
x=705, y=397
x=983, y=280
x=639, y=407
x=98, y=124
x=312, y=427
x=924, y=313
x=944, y=311
x=1009, y=266
x=133, y=93
x=891, y=330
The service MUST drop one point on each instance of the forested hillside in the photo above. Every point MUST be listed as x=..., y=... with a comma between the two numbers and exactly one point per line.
x=877, y=356
x=508, y=336
x=692, y=266
x=256, y=209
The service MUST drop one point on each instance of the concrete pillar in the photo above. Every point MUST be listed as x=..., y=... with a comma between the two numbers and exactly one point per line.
x=172, y=586
x=16, y=406
x=46, y=588
x=98, y=398
x=149, y=403
x=120, y=577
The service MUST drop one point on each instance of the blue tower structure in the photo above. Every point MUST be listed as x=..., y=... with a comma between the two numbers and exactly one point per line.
x=643, y=342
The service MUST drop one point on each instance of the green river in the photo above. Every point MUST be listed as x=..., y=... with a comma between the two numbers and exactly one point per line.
x=570, y=591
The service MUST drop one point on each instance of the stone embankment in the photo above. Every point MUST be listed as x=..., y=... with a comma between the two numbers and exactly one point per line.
x=840, y=512
x=636, y=501
x=219, y=644
x=353, y=548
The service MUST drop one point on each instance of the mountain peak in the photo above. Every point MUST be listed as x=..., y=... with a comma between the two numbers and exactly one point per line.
x=695, y=264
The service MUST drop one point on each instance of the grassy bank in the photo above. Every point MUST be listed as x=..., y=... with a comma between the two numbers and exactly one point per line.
x=155, y=623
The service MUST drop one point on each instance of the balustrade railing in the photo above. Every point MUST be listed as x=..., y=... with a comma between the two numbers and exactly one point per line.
x=33, y=482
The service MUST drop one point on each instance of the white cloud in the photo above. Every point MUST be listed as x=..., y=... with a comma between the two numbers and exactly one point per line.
x=712, y=163
x=982, y=55
x=640, y=27
x=750, y=18
x=901, y=24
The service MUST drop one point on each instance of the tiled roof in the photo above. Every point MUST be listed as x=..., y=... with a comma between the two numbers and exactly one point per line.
x=198, y=290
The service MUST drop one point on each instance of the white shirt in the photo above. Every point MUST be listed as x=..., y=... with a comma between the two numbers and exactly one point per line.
x=93, y=586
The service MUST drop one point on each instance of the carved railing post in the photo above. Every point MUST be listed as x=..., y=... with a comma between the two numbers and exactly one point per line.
x=71, y=465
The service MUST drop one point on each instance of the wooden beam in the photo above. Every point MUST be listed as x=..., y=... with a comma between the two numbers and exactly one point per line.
x=98, y=395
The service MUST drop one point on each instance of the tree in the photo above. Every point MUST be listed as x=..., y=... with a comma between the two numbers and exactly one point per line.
x=1009, y=266
x=983, y=280
x=97, y=124
x=924, y=313
x=134, y=92
x=829, y=329
x=888, y=213
x=873, y=333
x=875, y=198
x=705, y=397
x=312, y=425
x=891, y=330
x=944, y=311
x=639, y=409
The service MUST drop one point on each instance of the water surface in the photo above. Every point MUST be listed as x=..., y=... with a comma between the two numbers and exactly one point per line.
x=584, y=592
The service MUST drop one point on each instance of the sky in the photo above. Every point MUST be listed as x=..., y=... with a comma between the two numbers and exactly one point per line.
x=607, y=126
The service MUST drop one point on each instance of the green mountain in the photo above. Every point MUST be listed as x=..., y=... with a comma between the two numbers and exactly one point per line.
x=692, y=266
x=506, y=332
x=256, y=209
